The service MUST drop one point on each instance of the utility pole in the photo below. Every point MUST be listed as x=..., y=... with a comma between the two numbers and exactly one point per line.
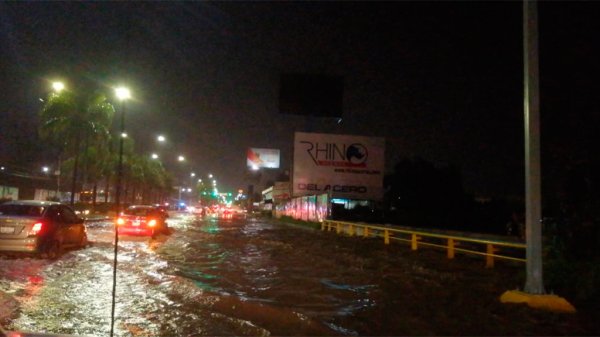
x=533, y=198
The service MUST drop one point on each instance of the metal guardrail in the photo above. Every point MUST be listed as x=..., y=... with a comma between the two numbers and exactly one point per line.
x=491, y=249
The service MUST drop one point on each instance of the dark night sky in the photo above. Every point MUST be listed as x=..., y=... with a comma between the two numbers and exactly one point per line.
x=439, y=80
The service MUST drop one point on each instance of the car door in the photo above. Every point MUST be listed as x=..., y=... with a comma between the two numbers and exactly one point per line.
x=73, y=225
x=57, y=230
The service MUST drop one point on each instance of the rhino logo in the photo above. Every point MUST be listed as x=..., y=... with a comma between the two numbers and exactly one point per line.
x=357, y=153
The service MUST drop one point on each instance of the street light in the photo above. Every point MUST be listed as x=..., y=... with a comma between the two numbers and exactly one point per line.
x=181, y=158
x=45, y=169
x=161, y=138
x=122, y=94
x=154, y=156
x=58, y=86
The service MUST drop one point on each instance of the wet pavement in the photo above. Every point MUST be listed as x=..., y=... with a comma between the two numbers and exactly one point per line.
x=258, y=277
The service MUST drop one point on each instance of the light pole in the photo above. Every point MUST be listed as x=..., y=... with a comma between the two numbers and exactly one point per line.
x=58, y=86
x=122, y=94
x=181, y=160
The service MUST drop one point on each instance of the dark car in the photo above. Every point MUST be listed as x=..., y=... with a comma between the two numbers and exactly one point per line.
x=43, y=228
x=142, y=220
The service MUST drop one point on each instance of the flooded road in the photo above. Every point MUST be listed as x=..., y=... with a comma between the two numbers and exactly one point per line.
x=259, y=278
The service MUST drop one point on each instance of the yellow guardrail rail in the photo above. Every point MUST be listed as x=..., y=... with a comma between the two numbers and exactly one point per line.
x=490, y=249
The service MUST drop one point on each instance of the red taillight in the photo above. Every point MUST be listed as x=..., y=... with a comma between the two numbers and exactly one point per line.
x=120, y=221
x=152, y=223
x=37, y=227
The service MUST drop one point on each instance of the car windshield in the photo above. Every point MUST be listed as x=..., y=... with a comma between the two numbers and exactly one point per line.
x=22, y=210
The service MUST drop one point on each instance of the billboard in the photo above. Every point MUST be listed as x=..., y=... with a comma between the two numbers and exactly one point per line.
x=344, y=166
x=262, y=158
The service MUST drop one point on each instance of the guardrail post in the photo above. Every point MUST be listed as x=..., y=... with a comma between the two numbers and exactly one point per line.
x=350, y=230
x=338, y=227
x=386, y=237
x=489, y=257
x=413, y=241
x=450, y=248
x=366, y=232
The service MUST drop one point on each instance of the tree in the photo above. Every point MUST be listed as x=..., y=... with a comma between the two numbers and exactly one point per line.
x=70, y=118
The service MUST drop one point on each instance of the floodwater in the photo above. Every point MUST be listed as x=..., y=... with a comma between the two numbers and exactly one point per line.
x=209, y=277
x=249, y=277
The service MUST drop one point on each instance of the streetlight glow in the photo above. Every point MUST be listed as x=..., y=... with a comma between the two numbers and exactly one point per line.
x=58, y=86
x=210, y=176
x=161, y=138
x=192, y=174
x=181, y=158
x=154, y=156
x=124, y=135
x=45, y=169
x=122, y=93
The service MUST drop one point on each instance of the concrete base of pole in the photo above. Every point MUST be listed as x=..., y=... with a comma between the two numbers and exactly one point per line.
x=545, y=302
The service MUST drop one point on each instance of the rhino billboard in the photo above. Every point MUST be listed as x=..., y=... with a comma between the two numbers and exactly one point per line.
x=345, y=166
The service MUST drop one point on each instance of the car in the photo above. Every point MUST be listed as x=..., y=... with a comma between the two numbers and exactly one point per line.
x=142, y=220
x=232, y=212
x=42, y=228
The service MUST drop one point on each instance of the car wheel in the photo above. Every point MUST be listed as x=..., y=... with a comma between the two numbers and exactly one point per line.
x=84, y=241
x=52, y=250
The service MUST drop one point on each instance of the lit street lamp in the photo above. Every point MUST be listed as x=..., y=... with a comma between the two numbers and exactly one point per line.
x=161, y=138
x=122, y=94
x=58, y=86
x=154, y=156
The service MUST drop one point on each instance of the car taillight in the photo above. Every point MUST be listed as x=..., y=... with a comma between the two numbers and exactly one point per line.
x=120, y=221
x=36, y=229
x=152, y=223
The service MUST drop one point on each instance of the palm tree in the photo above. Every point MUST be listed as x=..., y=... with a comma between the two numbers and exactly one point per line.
x=70, y=119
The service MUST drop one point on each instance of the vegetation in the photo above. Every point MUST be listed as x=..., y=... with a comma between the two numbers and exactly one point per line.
x=78, y=125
